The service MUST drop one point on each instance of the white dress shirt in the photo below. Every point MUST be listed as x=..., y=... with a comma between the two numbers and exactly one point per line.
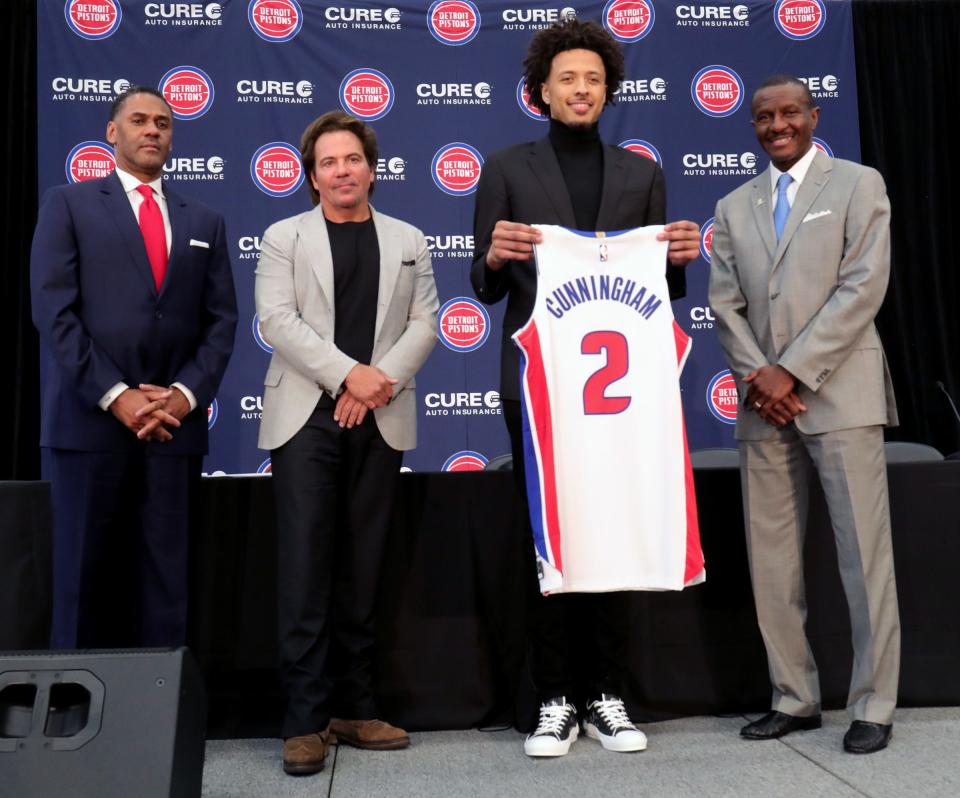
x=798, y=171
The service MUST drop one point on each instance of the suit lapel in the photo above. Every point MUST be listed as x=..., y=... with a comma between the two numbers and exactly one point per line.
x=614, y=180
x=763, y=212
x=316, y=244
x=391, y=253
x=816, y=178
x=118, y=209
x=179, y=229
x=546, y=169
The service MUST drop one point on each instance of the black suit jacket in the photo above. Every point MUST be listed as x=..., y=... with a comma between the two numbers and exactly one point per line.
x=99, y=313
x=524, y=184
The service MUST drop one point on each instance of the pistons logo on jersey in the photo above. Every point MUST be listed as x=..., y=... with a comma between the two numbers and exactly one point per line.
x=523, y=100
x=644, y=148
x=722, y=397
x=800, y=19
x=276, y=169
x=212, y=412
x=188, y=90
x=275, y=20
x=258, y=335
x=706, y=240
x=453, y=22
x=717, y=91
x=93, y=19
x=90, y=160
x=367, y=94
x=821, y=145
x=465, y=461
x=628, y=20
x=456, y=169
x=463, y=325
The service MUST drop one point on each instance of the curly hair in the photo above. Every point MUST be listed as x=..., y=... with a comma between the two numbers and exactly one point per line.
x=331, y=122
x=571, y=34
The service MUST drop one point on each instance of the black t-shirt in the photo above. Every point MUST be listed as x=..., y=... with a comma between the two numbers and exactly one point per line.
x=356, y=281
x=580, y=154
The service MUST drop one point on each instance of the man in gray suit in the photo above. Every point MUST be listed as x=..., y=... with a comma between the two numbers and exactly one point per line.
x=347, y=299
x=801, y=259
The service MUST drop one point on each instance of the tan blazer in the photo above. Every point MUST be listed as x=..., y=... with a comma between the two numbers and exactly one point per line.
x=808, y=302
x=295, y=304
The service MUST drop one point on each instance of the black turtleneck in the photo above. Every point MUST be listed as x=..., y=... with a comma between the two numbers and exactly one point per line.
x=580, y=153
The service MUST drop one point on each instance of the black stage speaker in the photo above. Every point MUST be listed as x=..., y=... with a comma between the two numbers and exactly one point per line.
x=103, y=724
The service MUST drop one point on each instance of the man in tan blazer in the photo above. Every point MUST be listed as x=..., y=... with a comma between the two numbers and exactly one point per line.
x=801, y=260
x=347, y=299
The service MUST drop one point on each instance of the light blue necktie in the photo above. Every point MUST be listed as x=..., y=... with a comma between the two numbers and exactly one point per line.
x=782, y=209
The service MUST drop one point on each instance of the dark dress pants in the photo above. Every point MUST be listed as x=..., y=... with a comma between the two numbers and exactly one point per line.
x=120, y=546
x=334, y=490
x=578, y=641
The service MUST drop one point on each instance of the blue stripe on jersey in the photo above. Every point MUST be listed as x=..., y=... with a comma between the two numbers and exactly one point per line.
x=531, y=469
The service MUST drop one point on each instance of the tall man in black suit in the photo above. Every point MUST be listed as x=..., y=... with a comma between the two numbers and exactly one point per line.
x=570, y=178
x=133, y=297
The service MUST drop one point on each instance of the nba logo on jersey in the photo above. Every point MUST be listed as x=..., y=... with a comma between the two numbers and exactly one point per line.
x=601, y=357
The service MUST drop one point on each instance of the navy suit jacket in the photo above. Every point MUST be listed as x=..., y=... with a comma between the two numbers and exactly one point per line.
x=102, y=320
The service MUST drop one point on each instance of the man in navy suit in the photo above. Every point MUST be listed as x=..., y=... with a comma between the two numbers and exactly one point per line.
x=133, y=298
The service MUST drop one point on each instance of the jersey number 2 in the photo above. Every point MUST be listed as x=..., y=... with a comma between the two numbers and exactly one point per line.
x=614, y=346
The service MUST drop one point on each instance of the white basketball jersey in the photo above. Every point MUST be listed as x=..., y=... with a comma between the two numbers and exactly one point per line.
x=609, y=482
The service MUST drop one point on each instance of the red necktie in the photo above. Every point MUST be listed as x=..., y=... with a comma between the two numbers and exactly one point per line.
x=154, y=236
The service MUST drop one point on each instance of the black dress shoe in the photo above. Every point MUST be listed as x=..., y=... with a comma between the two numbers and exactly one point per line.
x=864, y=737
x=777, y=724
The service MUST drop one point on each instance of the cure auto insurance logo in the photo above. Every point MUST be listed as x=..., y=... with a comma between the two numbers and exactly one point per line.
x=93, y=19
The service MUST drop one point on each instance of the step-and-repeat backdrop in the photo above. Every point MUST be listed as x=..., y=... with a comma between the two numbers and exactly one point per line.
x=440, y=82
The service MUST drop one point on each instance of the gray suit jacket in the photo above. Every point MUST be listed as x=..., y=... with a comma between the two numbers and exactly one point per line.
x=295, y=303
x=808, y=302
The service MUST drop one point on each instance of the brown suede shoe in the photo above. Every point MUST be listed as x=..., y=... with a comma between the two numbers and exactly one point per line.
x=373, y=735
x=305, y=754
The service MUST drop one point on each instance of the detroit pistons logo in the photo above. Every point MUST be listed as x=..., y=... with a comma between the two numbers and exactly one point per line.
x=821, y=145
x=258, y=335
x=644, y=148
x=188, y=90
x=722, y=398
x=463, y=325
x=212, y=412
x=456, y=169
x=276, y=169
x=453, y=22
x=275, y=20
x=93, y=19
x=717, y=91
x=628, y=20
x=523, y=100
x=89, y=160
x=706, y=240
x=800, y=19
x=266, y=467
x=465, y=461
x=367, y=94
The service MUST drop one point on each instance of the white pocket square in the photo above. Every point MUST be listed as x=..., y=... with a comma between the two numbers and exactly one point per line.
x=811, y=216
x=205, y=245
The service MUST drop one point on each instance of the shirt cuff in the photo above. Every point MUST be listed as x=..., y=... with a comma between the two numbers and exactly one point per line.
x=107, y=399
x=188, y=393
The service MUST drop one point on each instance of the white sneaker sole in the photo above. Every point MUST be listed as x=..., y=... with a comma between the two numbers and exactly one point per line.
x=622, y=743
x=549, y=746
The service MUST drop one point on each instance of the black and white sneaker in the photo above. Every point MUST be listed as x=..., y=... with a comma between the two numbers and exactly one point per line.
x=608, y=722
x=556, y=730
